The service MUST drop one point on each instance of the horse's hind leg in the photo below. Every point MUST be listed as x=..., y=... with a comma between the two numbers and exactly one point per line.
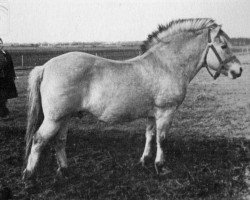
x=46, y=131
x=150, y=134
x=60, y=145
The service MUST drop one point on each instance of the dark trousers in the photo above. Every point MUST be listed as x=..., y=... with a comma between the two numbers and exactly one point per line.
x=4, y=111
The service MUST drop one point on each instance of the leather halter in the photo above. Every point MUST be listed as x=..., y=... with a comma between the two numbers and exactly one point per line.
x=222, y=63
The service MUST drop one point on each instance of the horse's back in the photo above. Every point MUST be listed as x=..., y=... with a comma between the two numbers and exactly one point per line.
x=79, y=63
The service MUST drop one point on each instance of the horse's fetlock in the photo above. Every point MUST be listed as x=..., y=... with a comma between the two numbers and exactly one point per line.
x=145, y=160
x=62, y=172
x=28, y=176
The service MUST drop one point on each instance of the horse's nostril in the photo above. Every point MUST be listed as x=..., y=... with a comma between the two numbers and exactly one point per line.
x=241, y=70
x=236, y=75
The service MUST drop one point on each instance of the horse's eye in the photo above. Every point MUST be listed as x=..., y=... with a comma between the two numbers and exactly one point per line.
x=224, y=46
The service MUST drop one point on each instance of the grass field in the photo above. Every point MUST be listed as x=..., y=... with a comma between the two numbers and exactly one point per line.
x=205, y=149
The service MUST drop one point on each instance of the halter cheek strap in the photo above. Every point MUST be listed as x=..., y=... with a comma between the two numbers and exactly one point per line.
x=222, y=63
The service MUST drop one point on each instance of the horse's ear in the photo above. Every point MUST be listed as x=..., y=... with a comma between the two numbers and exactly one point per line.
x=216, y=31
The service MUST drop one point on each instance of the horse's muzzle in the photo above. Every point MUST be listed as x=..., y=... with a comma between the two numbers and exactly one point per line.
x=235, y=74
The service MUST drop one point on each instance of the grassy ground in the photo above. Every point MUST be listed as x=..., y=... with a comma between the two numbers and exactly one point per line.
x=205, y=149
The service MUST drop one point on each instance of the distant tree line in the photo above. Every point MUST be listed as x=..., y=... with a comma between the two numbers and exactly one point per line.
x=83, y=44
x=240, y=41
x=235, y=42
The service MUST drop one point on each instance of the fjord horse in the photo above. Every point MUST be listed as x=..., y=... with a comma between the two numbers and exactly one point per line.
x=152, y=86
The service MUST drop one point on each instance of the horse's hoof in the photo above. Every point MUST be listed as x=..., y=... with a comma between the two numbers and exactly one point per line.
x=161, y=170
x=61, y=178
x=30, y=186
x=145, y=161
x=27, y=175
x=30, y=182
x=62, y=173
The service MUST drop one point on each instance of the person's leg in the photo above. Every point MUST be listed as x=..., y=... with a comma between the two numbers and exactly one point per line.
x=4, y=111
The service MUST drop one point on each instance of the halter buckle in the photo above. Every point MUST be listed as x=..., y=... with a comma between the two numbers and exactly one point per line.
x=209, y=44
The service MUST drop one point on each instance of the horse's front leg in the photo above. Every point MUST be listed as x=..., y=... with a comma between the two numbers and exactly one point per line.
x=150, y=134
x=164, y=119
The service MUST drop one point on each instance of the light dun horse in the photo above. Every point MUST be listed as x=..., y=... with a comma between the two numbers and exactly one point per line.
x=151, y=86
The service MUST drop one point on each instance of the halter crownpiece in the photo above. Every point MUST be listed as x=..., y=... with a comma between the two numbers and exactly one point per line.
x=222, y=63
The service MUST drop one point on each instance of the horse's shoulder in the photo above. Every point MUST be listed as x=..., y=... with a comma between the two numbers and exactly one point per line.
x=170, y=90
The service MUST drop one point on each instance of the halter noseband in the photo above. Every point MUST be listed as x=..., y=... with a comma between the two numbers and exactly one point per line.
x=222, y=63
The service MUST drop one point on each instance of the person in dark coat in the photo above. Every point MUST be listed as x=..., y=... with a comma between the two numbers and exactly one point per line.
x=7, y=80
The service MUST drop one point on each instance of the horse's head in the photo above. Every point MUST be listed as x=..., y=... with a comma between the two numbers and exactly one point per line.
x=219, y=56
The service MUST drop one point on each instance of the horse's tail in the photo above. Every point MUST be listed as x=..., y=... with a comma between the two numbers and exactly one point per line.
x=35, y=112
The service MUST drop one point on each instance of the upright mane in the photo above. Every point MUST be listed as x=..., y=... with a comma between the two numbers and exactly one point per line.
x=176, y=26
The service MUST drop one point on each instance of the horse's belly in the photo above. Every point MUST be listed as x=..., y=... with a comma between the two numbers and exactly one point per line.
x=117, y=114
x=121, y=109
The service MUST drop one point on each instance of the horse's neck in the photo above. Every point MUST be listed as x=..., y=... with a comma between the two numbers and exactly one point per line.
x=195, y=58
x=183, y=60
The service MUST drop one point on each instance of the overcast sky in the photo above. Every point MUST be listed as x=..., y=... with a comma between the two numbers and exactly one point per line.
x=113, y=20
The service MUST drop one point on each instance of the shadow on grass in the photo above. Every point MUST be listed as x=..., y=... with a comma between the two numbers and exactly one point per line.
x=105, y=167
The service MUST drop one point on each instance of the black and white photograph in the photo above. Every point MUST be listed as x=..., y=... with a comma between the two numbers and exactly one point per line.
x=125, y=100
